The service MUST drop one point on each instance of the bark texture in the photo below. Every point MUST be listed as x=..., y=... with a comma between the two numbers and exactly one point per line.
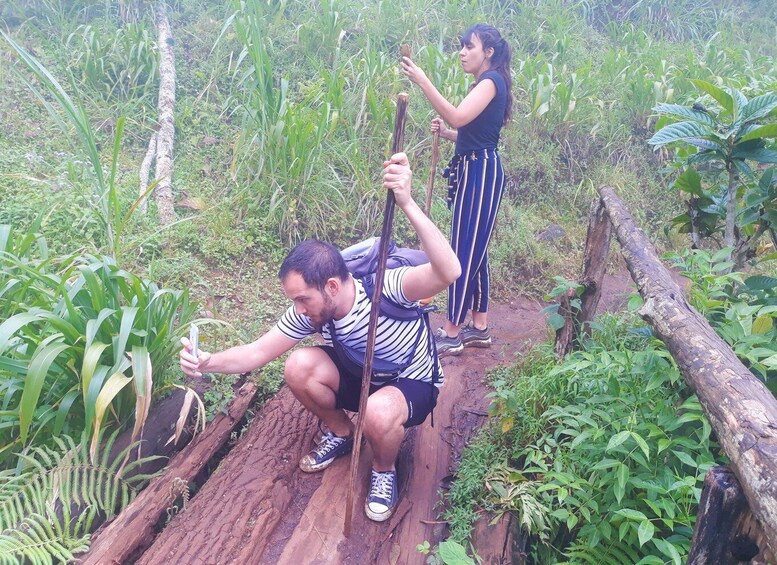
x=232, y=516
x=134, y=527
x=145, y=167
x=597, y=248
x=726, y=532
x=166, y=105
x=741, y=410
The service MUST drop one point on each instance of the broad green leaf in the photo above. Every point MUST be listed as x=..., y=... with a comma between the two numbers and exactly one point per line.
x=707, y=145
x=721, y=96
x=760, y=282
x=669, y=550
x=758, y=107
x=679, y=131
x=556, y=321
x=685, y=112
x=740, y=101
x=622, y=475
x=690, y=182
x=127, y=321
x=760, y=154
x=91, y=359
x=685, y=458
x=631, y=514
x=768, y=130
x=642, y=444
x=453, y=553
x=617, y=439
x=762, y=324
x=41, y=360
x=112, y=387
x=64, y=409
x=645, y=532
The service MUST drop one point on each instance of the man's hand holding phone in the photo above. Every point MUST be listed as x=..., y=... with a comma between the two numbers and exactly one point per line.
x=192, y=359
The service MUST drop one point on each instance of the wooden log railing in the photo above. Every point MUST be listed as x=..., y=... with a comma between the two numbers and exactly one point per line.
x=741, y=410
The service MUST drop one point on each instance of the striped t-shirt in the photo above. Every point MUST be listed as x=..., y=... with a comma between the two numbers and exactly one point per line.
x=394, y=339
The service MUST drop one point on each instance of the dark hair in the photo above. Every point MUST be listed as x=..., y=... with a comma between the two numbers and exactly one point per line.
x=500, y=60
x=317, y=262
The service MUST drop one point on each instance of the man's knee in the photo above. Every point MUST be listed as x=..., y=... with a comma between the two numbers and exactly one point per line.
x=386, y=410
x=306, y=365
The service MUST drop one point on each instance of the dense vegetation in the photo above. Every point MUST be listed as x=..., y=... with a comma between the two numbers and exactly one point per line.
x=283, y=116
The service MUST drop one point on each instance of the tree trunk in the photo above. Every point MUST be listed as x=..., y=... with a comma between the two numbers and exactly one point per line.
x=731, y=207
x=597, y=248
x=566, y=335
x=166, y=104
x=134, y=527
x=726, y=532
x=741, y=410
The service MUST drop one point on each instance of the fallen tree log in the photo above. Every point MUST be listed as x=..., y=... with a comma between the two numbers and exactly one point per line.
x=233, y=515
x=726, y=532
x=741, y=410
x=134, y=527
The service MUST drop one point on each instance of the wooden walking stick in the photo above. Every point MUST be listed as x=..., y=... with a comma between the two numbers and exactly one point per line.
x=385, y=236
x=430, y=184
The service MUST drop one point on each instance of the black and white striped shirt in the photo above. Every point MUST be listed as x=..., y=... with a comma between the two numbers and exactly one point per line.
x=394, y=338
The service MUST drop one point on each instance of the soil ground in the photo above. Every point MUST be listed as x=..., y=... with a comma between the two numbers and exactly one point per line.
x=259, y=508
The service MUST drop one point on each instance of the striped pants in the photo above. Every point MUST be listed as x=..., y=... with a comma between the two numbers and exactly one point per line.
x=476, y=181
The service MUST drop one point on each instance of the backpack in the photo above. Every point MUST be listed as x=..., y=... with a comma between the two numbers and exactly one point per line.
x=362, y=262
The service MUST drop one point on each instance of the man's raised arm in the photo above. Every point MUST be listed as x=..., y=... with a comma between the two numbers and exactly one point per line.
x=443, y=268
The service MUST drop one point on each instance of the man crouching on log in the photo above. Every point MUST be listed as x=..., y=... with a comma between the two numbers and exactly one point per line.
x=326, y=297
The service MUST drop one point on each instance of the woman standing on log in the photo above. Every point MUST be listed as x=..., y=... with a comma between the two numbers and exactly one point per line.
x=475, y=175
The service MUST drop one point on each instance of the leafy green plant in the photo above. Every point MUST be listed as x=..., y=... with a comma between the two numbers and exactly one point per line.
x=742, y=310
x=606, y=455
x=71, y=336
x=725, y=142
x=48, y=510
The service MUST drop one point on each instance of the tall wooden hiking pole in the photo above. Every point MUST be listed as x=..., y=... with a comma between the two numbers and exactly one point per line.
x=385, y=236
x=430, y=184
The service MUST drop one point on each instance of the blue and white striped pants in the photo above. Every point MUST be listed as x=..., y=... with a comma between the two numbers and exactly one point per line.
x=476, y=182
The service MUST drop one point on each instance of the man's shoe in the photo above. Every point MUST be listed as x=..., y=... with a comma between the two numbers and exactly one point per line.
x=473, y=337
x=382, y=497
x=447, y=345
x=329, y=448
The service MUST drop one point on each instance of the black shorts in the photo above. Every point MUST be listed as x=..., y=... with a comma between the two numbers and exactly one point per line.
x=421, y=397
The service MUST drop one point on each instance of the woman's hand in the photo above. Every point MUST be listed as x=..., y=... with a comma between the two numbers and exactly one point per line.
x=397, y=176
x=438, y=126
x=413, y=71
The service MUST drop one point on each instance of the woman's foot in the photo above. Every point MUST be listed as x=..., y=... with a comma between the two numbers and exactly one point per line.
x=472, y=337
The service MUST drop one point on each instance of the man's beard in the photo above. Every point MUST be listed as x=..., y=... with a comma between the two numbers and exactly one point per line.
x=327, y=313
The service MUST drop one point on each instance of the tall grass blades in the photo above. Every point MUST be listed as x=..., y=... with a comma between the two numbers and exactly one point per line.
x=121, y=65
x=105, y=197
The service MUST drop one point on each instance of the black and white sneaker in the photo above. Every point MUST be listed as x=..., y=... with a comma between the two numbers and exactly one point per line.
x=329, y=448
x=382, y=497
